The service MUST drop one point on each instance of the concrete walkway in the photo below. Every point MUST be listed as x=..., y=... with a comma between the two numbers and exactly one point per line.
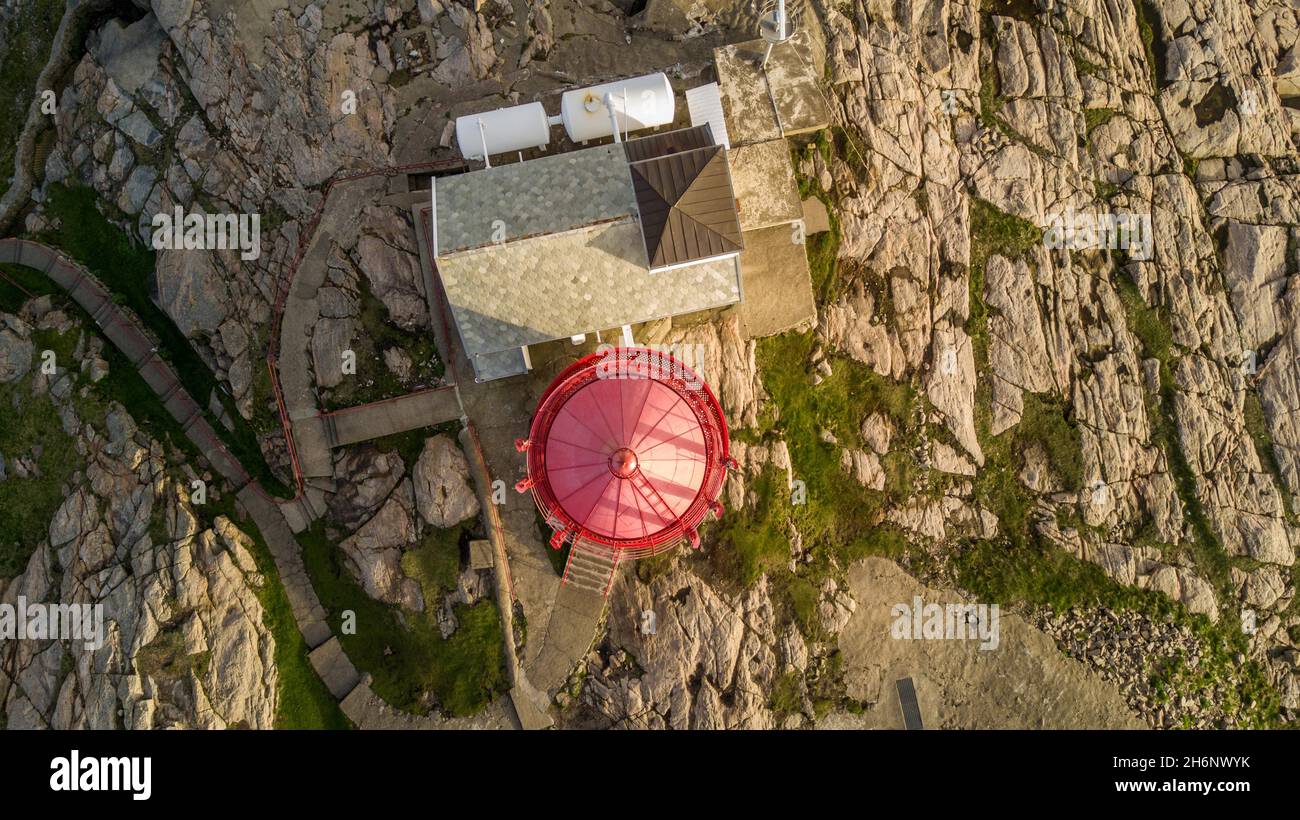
x=424, y=408
x=120, y=328
x=338, y=224
x=562, y=621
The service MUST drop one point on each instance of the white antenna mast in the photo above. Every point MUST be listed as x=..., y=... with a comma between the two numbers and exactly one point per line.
x=482, y=132
x=775, y=27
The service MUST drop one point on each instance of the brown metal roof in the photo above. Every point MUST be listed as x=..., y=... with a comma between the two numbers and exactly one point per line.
x=687, y=207
x=669, y=142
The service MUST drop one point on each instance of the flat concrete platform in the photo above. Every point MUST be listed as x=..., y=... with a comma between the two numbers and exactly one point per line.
x=363, y=422
x=816, y=219
x=762, y=176
x=334, y=668
x=778, y=287
x=783, y=100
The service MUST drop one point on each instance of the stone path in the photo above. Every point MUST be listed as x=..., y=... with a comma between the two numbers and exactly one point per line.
x=120, y=328
x=272, y=516
x=301, y=310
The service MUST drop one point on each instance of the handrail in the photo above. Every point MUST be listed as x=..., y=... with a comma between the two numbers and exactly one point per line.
x=284, y=284
x=716, y=443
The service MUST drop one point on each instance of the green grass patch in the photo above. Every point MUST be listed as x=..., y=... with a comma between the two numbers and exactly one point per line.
x=1096, y=117
x=1148, y=23
x=28, y=39
x=28, y=506
x=165, y=658
x=1023, y=10
x=123, y=383
x=1150, y=326
x=409, y=444
x=18, y=284
x=404, y=651
x=303, y=700
x=991, y=100
x=756, y=540
x=993, y=232
x=434, y=563
x=373, y=380
x=1262, y=438
x=1046, y=424
x=30, y=429
x=787, y=694
x=839, y=520
x=822, y=248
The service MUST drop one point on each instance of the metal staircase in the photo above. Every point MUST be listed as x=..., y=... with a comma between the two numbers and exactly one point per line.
x=590, y=570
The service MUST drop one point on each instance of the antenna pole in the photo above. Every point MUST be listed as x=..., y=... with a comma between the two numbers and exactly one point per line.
x=613, y=116
x=778, y=33
x=483, y=136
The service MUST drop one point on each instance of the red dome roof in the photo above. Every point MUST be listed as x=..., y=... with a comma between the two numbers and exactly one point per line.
x=627, y=451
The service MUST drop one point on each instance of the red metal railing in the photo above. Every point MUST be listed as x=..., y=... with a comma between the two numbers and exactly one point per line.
x=503, y=562
x=285, y=283
x=642, y=363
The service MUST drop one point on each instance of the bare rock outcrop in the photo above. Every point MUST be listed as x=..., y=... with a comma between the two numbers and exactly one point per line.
x=183, y=643
x=443, y=493
x=374, y=552
x=707, y=666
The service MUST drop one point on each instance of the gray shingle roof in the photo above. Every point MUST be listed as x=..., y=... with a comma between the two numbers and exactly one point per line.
x=547, y=195
x=553, y=247
x=550, y=287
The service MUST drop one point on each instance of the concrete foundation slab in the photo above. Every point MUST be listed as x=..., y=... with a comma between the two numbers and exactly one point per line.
x=816, y=219
x=763, y=178
x=481, y=555
x=334, y=668
x=783, y=99
x=778, y=287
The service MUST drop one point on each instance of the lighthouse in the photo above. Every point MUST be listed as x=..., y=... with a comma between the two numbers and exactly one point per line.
x=626, y=455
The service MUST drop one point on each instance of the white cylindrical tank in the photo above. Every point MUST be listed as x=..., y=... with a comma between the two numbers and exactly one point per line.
x=638, y=102
x=503, y=130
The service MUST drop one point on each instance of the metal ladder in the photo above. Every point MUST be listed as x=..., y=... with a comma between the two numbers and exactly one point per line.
x=590, y=570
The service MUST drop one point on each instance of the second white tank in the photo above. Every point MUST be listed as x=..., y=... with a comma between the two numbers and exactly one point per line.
x=638, y=102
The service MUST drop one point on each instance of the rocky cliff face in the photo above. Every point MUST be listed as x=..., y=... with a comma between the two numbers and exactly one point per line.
x=971, y=127
x=965, y=127
x=195, y=108
x=183, y=642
